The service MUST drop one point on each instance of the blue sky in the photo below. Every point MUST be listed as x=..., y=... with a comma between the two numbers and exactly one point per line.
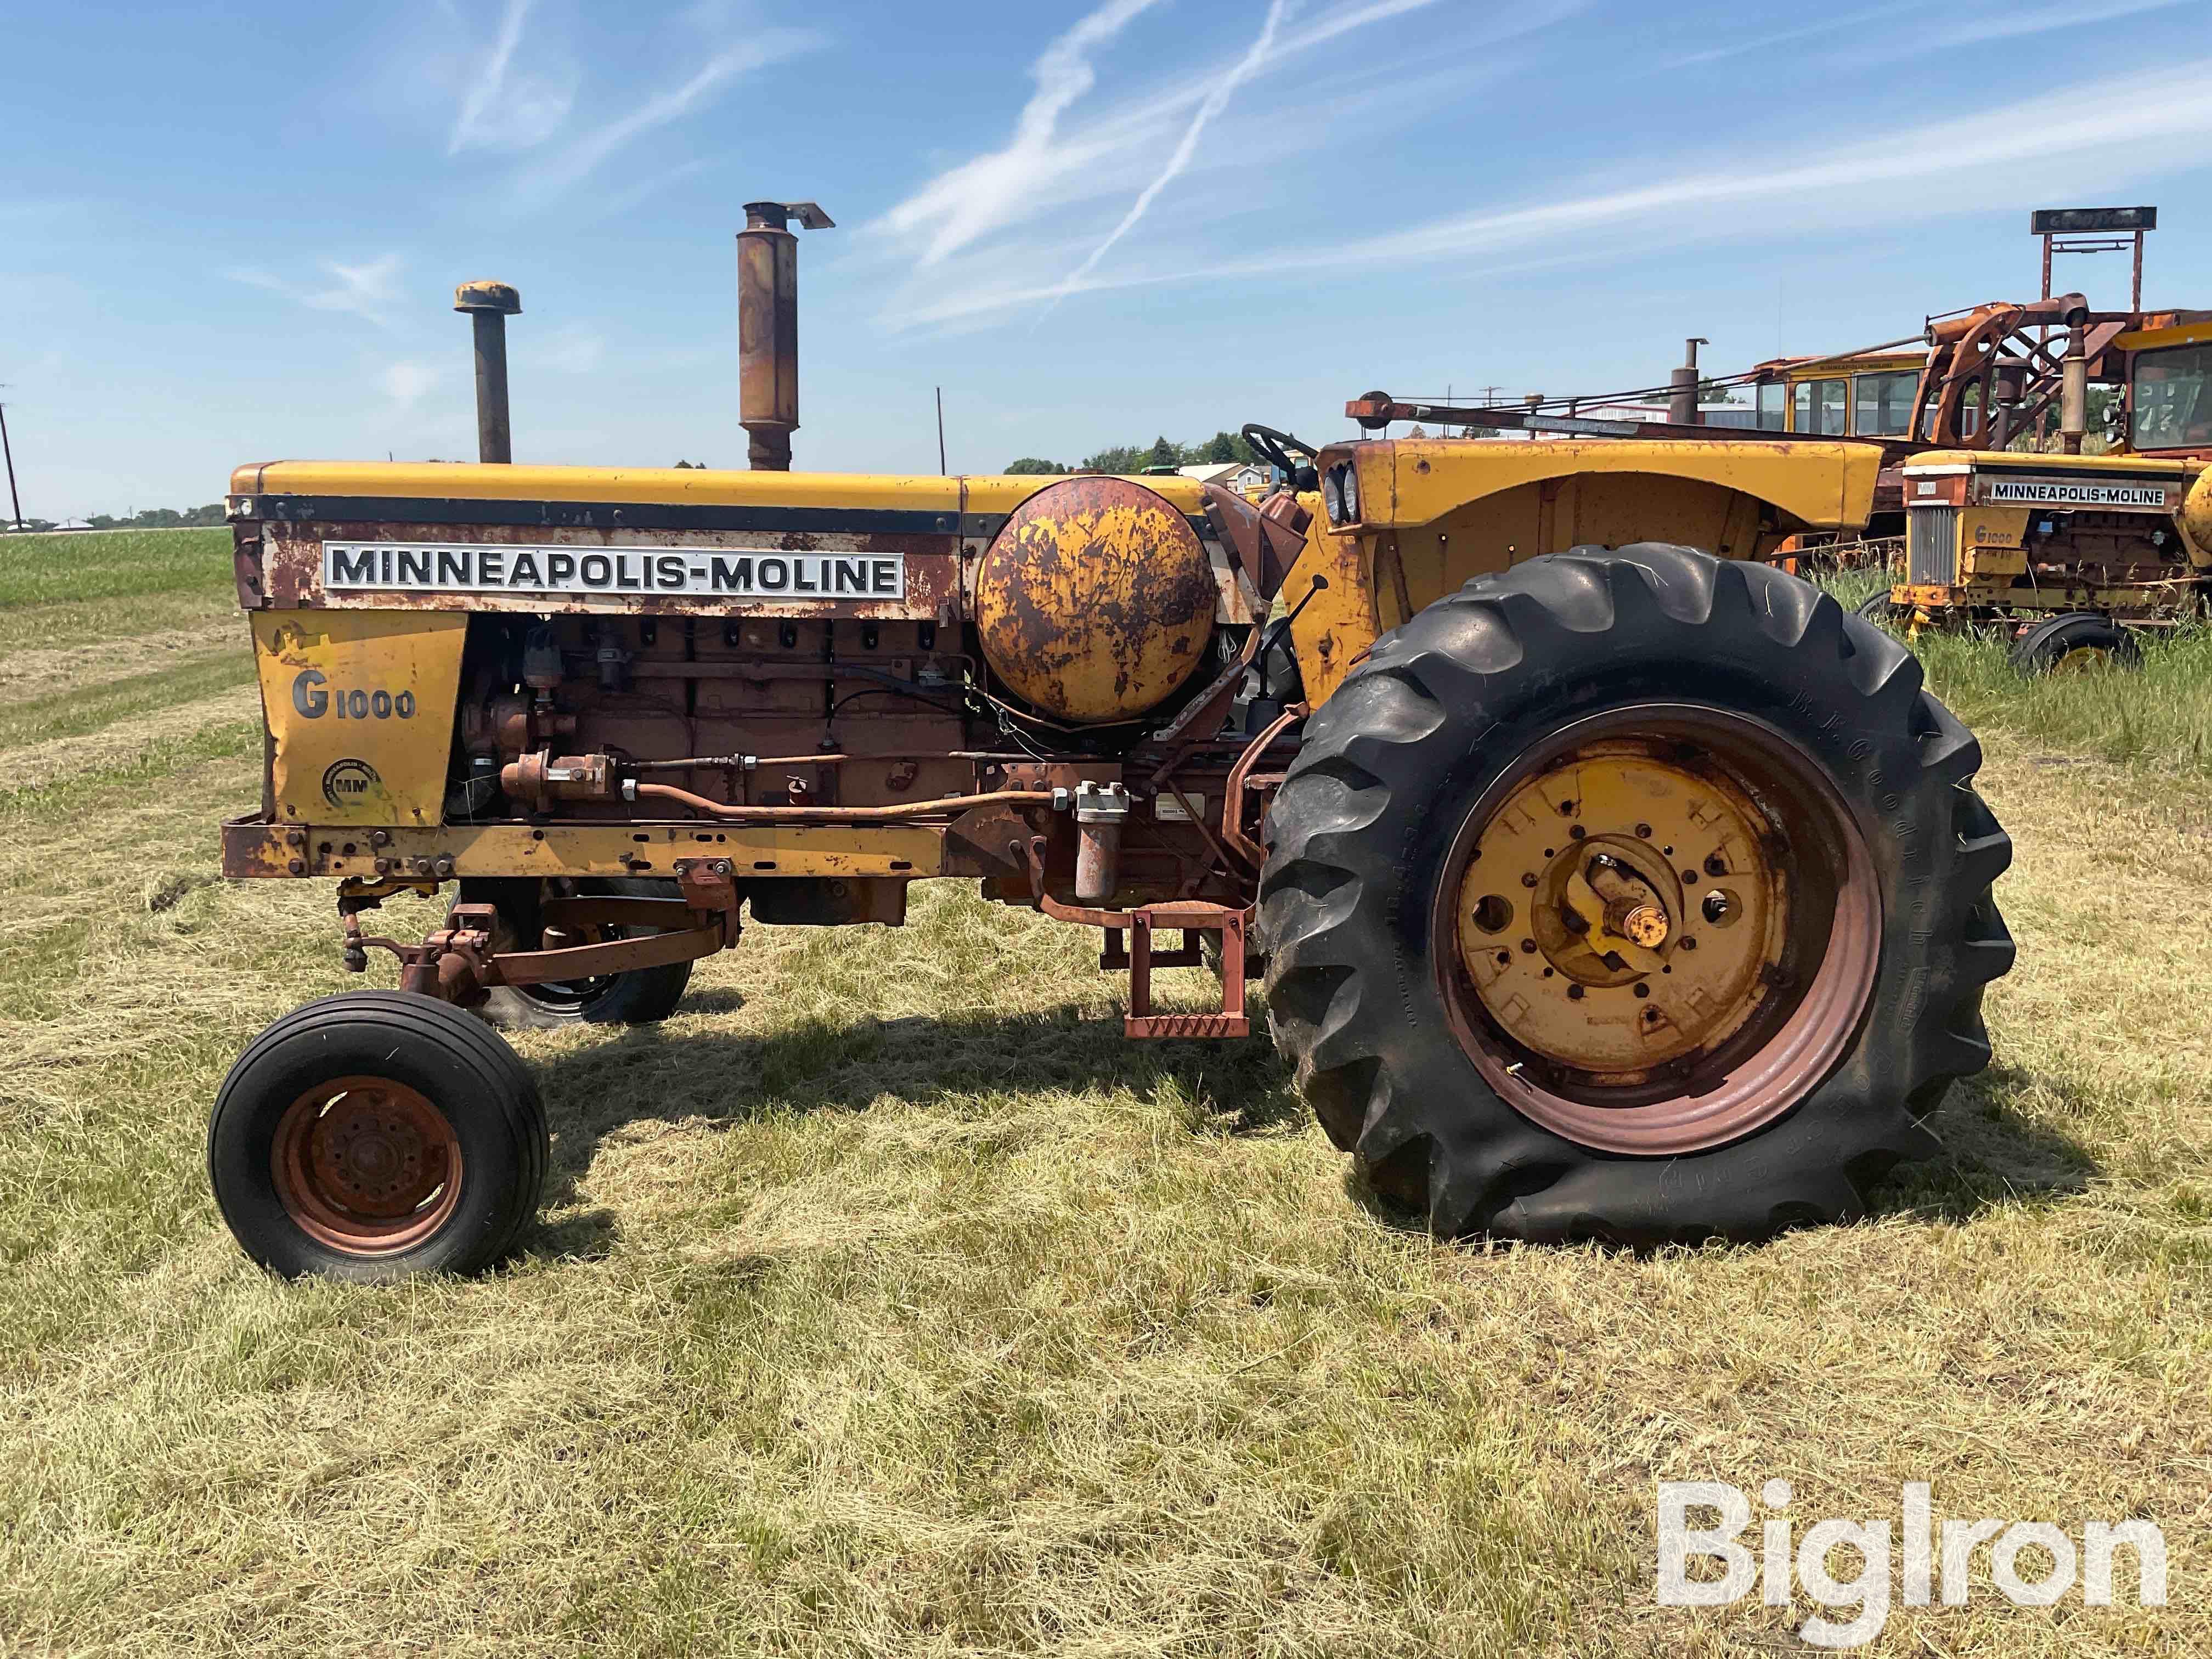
x=231, y=233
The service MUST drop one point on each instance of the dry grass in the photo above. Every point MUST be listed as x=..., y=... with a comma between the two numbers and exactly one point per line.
x=887, y=1302
x=34, y=672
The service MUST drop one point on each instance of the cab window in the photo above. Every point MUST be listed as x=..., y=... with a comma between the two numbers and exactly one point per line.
x=2173, y=399
x=1772, y=418
x=1822, y=407
x=1883, y=404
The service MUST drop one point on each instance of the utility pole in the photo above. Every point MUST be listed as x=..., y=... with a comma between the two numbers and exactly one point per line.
x=14, y=500
x=941, y=468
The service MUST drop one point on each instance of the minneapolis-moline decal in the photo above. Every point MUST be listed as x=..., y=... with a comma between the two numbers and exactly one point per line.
x=2073, y=492
x=704, y=573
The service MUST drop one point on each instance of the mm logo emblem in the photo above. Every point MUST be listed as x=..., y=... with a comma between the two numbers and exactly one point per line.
x=348, y=782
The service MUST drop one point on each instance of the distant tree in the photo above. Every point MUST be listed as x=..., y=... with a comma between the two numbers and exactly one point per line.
x=1031, y=463
x=693, y=466
x=1125, y=458
x=1710, y=394
x=1165, y=453
x=1223, y=448
x=1417, y=431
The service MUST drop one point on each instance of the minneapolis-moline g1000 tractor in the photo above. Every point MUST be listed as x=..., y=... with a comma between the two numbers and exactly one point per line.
x=1608, y=882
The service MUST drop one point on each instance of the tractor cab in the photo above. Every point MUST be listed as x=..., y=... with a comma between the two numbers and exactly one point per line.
x=2170, y=391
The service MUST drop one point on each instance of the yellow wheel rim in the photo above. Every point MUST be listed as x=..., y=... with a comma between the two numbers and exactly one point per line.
x=2081, y=659
x=1662, y=925
x=1620, y=913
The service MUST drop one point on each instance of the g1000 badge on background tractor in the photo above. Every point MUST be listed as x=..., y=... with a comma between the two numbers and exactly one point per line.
x=1606, y=880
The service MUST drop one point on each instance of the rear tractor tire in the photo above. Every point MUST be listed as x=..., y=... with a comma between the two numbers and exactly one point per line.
x=1633, y=895
x=2076, y=642
x=644, y=996
x=374, y=1136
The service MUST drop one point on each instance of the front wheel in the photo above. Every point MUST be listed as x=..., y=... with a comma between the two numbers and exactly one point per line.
x=376, y=1135
x=2074, y=642
x=1878, y=608
x=1632, y=894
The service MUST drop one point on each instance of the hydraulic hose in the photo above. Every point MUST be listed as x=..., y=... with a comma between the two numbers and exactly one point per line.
x=840, y=814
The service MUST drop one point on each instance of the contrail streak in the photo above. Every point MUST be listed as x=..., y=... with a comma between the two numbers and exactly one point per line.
x=1214, y=101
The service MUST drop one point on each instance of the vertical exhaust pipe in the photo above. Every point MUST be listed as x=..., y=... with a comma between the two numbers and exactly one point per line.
x=767, y=327
x=2074, y=388
x=489, y=305
x=1682, y=388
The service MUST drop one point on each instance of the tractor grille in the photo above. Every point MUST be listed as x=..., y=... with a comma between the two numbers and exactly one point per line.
x=1930, y=545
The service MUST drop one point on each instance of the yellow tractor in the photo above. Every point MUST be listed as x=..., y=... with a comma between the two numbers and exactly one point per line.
x=1608, y=882
x=2070, y=552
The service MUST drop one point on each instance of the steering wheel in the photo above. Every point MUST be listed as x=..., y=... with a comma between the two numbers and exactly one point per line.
x=1276, y=447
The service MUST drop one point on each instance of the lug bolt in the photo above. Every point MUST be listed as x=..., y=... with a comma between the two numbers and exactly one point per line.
x=1643, y=831
x=1574, y=994
x=298, y=867
x=1528, y=947
x=379, y=838
x=1716, y=865
x=384, y=867
x=1529, y=880
x=1575, y=832
x=1689, y=942
x=1642, y=989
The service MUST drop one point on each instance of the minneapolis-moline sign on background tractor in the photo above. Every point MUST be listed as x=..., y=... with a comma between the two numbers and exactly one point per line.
x=1609, y=882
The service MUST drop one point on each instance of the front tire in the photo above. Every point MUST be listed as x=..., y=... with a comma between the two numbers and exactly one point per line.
x=1877, y=608
x=2074, y=642
x=377, y=1135
x=1634, y=894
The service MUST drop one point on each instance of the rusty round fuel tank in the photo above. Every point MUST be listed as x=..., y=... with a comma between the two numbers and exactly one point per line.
x=1096, y=601
x=2196, y=517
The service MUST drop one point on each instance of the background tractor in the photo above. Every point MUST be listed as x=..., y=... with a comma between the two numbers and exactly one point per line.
x=1607, y=881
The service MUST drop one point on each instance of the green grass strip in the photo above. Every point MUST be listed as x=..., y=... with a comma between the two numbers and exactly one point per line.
x=102, y=564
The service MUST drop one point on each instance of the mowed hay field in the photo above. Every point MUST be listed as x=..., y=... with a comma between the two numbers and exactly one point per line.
x=887, y=1302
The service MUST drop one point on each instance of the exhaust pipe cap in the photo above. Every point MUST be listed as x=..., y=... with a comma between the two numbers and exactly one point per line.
x=497, y=297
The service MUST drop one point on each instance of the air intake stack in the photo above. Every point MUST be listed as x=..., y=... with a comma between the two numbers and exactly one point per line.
x=489, y=305
x=767, y=327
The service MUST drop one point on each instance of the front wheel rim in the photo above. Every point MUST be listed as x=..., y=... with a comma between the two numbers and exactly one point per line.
x=366, y=1165
x=1662, y=927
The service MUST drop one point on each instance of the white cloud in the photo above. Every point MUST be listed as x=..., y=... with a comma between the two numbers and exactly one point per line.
x=1925, y=35
x=571, y=348
x=506, y=108
x=368, y=291
x=407, y=381
x=972, y=228
x=1214, y=101
x=992, y=191
x=581, y=157
x=2088, y=136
